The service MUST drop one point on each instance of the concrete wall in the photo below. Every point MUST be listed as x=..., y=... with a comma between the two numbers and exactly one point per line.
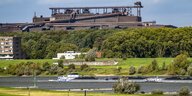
x=101, y=63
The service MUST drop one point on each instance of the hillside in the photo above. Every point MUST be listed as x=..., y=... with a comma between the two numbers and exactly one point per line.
x=142, y=42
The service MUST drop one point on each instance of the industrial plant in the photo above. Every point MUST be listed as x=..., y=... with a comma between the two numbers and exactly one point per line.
x=77, y=18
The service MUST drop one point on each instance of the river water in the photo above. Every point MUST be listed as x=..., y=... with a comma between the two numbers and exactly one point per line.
x=43, y=83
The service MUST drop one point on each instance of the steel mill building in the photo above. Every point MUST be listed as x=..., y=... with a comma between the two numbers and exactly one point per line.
x=75, y=18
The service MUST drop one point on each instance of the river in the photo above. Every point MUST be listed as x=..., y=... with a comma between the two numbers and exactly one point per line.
x=43, y=83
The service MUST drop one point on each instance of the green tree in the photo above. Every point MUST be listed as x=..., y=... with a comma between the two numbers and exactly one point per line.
x=164, y=67
x=61, y=71
x=181, y=61
x=53, y=69
x=184, y=91
x=71, y=67
x=189, y=70
x=141, y=70
x=125, y=87
x=157, y=92
x=2, y=70
x=83, y=67
x=60, y=63
x=91, y=55
x=46, y=66
x=132, y=70
x=153, y=66
x=179, y=65
x=82, y=56
x=119, y=69
x=172, y=70
x=134, y=42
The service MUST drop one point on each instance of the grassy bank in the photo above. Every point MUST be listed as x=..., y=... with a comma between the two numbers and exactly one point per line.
x=25, y=92
x=122, y=63
x=105, y=70
x=5, y=63
x=2, y=94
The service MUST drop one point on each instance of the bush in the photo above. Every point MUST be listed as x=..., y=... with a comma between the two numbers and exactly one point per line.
x=125, y=87
x=83, y=67
x=141, y=70
x=182, y=72
x=71, y=67
x=172, y=70
x=11, y=69
x=61, y=71
x=157, y=92
x=53, y=69
x=189, y=70
x=91, y=55
x=179, y=65
x=119, y=69
x=132, y=70
x=46, y=66
x=62, y=57
x=164, y=67
x=153, y=66
x=181, y=61
x=81, y=56
x=1, y=70
x=184, y=91
x=124, y=58
x=60, y=63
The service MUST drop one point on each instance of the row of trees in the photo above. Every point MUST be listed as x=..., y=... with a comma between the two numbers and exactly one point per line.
x=148, y=42
x=141, y=42
x=30, y=68
x=38, y=45
x=179, y=66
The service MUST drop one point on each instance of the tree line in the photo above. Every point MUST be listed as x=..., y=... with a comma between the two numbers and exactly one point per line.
x=36, y=69
x=114, y=43
x=179, y=66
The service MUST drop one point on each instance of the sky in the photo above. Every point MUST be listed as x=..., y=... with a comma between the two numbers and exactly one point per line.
x=169, y=12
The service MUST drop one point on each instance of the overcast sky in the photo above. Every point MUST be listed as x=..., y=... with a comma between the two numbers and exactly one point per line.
x=175, y=12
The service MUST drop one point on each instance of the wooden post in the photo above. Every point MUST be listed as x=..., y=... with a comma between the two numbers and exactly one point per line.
x=85, y=93
x=28, y=91
x=68, y=92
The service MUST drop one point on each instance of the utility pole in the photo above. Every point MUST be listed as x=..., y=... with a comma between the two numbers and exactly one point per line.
x=34, y=81
x=34, y=76
x=85, y=93
x=29, y=93
x=68, y=92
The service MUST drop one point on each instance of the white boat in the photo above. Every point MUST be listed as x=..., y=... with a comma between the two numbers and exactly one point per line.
x=156, y=79
x=68, y=77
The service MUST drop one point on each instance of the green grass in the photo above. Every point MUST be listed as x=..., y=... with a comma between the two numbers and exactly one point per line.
x=104, y=70
x=122, y=63
x=137, y=62
x=5, y=63
x=36, y=92
x=2, y=94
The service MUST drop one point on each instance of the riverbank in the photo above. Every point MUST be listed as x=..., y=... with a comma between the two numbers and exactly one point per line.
x=35, y=92
x=121, y=63
x=44, y=66
x=120, y=69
